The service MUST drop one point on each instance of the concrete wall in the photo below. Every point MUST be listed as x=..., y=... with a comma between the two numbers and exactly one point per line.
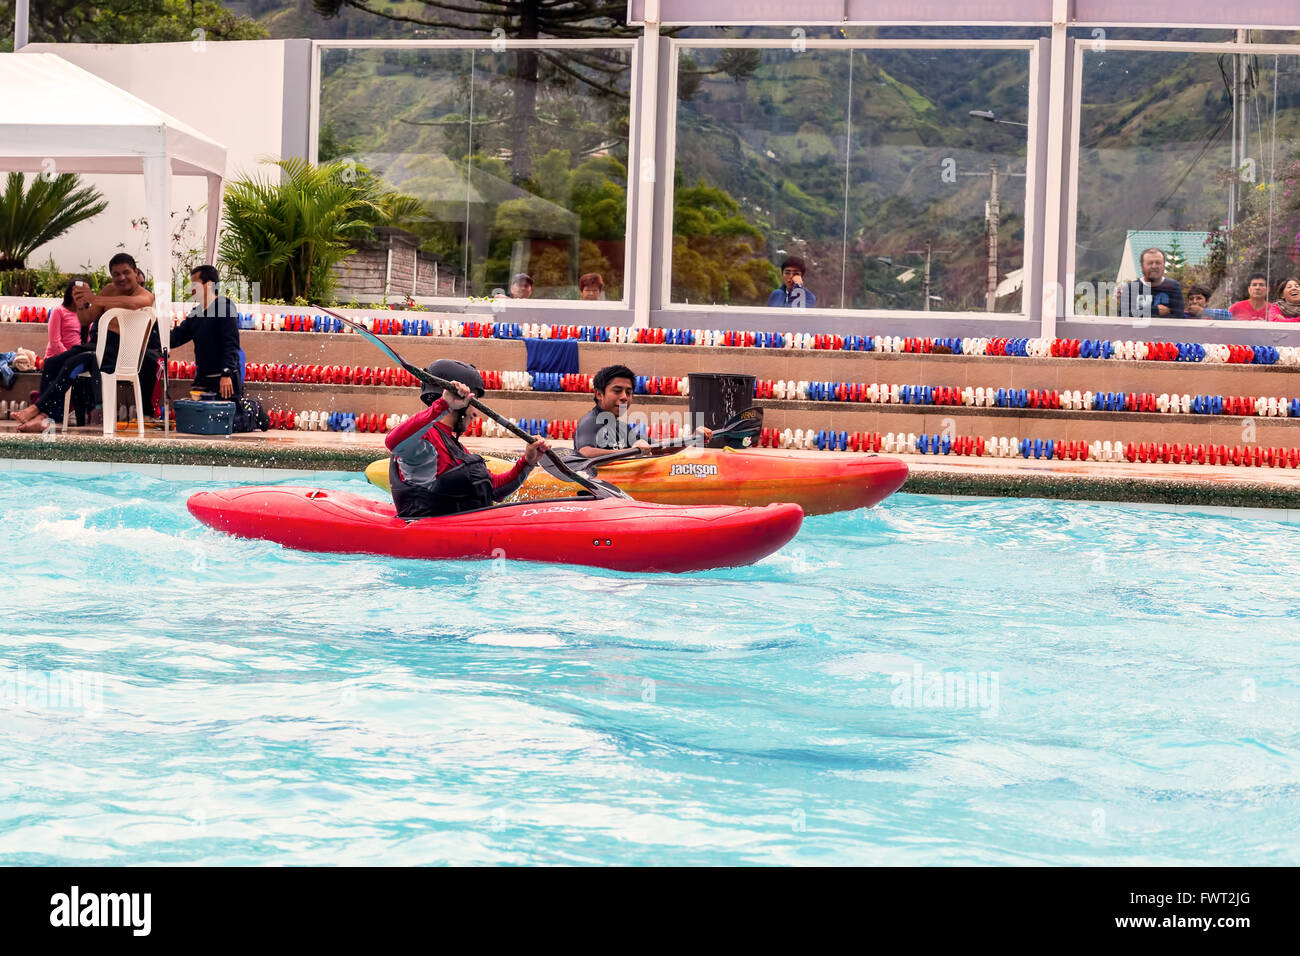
x=250, y=96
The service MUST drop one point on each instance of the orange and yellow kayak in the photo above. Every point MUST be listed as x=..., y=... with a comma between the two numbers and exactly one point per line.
x=819, y=482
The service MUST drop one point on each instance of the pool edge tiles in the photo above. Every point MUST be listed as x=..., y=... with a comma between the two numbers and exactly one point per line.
x=1188, y=486
x=262, y=452
x=304, y=454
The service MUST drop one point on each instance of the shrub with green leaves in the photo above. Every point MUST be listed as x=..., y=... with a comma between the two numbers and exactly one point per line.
x=31, y=216
x=289, y=234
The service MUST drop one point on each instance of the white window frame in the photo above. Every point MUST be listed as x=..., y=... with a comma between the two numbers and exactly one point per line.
x=1081, y=48
x=493, y=46
x=1034, y=142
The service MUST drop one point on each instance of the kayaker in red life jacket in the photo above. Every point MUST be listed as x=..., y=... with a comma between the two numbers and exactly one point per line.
x=430, y=473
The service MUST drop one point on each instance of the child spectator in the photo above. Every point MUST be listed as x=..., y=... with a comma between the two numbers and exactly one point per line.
x=1198, y=297
x=792, y=294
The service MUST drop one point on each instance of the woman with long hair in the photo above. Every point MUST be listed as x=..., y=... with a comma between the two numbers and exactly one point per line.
x=65, y=358
x=1288, y=300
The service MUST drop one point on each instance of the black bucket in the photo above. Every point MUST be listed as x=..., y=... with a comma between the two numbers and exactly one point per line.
x=718, y=398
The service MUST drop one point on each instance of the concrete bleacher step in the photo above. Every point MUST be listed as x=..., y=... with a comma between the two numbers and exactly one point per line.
x=1109, y=375
x=305, y=348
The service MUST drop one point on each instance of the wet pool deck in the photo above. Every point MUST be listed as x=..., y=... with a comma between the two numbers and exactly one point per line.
x=245, y=458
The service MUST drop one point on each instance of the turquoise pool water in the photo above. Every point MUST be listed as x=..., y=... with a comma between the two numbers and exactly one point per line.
x=932, y=681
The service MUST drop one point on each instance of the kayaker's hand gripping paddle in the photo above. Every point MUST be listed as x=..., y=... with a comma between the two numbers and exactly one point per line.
x=740, y=432
x=601, y=489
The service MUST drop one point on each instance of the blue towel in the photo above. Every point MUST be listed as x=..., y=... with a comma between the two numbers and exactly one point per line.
x=559, y=356
x=8, y=373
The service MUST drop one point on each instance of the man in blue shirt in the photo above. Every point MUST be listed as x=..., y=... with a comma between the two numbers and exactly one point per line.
x=792, y=294
x=1154, y=295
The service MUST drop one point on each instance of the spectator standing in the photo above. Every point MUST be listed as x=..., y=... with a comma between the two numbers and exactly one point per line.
x=591, y=287
x=521, y=286
x=1255, y=307
x=792, y=294
x=1154, y=295
x=213, y=327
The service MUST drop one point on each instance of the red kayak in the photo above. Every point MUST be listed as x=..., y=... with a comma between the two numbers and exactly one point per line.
x=615, y=533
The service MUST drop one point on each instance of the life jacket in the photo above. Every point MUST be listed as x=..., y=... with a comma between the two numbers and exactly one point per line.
x=465, y=486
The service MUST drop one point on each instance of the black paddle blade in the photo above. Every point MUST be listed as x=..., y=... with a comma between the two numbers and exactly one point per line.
x=576, y=463
x=382, y=345
x=570, y=458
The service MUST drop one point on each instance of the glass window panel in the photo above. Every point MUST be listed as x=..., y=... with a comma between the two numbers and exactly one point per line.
x=517, y=157
x=854, y=161
x=1196, y=154
x=756, y=159
x=550, y=158
x=921, y=176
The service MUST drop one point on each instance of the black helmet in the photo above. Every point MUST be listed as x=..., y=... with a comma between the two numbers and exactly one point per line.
x=451, y=371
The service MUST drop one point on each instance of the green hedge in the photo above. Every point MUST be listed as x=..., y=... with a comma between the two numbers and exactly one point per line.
x=19, y=282
x=46, y=281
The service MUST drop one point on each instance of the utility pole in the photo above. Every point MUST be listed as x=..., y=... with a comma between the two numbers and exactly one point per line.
x=1239, y=129
x=925, y=281
x=991, y=228
x=929, y=252
x=992, y=218
x=992, y=213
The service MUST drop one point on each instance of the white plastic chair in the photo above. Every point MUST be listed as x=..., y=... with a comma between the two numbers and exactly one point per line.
x=134, y=326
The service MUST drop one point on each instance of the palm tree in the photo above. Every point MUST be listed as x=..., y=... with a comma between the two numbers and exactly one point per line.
x=287, y=235
x=29, y=218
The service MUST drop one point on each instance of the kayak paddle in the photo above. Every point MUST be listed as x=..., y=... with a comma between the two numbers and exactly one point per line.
x=739, y=432
x=601, y=489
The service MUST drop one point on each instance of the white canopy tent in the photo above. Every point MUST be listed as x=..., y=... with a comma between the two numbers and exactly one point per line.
x=57, y=118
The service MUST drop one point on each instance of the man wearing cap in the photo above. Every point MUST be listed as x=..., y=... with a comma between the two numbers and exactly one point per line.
x=430, y=472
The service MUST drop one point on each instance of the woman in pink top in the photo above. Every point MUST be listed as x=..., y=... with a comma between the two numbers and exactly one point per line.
x=65, y=359
x=1256, y=307
x=1288, y=301
x=65, y=327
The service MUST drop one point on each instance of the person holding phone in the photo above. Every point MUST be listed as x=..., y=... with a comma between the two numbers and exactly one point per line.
x=66, y=357
x=792, y=294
